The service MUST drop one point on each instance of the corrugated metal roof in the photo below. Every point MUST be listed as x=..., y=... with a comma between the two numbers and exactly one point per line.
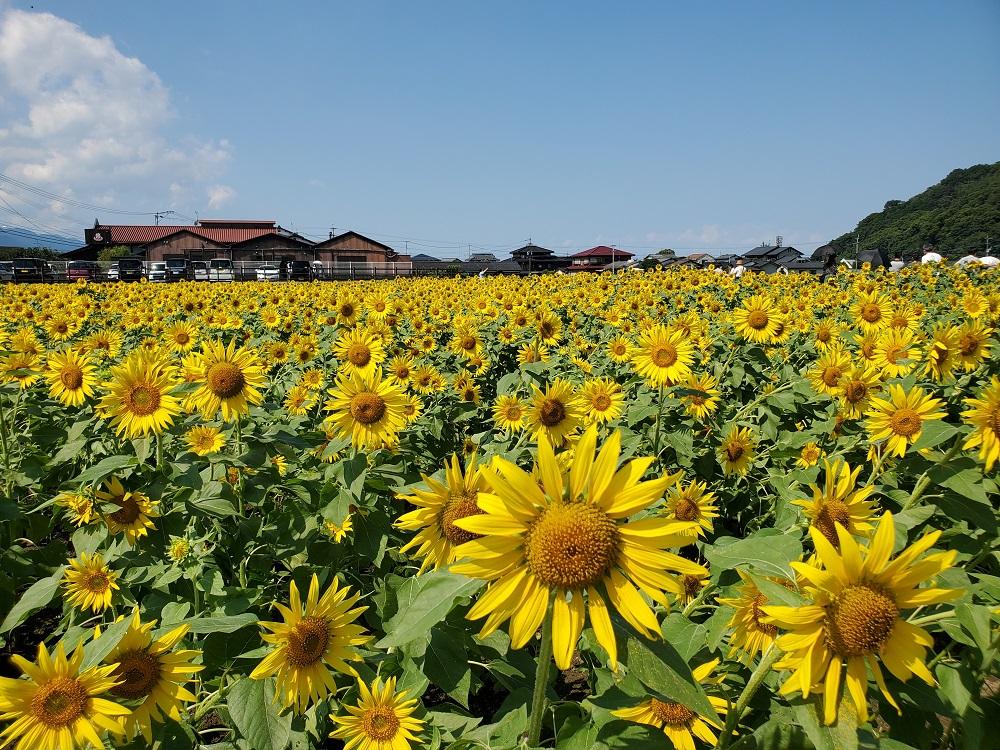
x=143, y=235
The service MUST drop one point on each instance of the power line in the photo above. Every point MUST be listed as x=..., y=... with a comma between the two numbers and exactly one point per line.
x=69, y=201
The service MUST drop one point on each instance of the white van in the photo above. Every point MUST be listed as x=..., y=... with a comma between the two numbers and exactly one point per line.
x=220, y=269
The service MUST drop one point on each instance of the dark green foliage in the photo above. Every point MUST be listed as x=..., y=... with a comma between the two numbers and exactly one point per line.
x=955, y=216
x=46, y=253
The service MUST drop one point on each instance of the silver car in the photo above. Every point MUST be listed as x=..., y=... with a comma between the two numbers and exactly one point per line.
x=268, y=273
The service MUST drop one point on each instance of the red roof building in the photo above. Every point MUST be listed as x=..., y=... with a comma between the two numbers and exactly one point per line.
x=598, y=257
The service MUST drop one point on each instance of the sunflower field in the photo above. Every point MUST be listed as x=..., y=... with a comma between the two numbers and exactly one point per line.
x=644, y=510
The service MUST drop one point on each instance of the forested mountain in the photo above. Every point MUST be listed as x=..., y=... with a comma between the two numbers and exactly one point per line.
x=956, y=216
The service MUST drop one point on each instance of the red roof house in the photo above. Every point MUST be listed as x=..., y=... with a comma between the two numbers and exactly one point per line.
x=598, y=257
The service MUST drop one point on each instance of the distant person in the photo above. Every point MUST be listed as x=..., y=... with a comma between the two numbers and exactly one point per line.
x=897, y=263
x=739, y=269
x=829, y=258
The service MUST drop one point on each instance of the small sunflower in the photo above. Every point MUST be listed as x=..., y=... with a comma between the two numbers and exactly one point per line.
x=231, y=381
x=872, y=312
x=942, y=353
x=896, y=352
x=826, y=374
x=60, y=706
x=135, y=511
x=367, y=409
x=359, y=352
x=856, y=389
x=809, y=455
x=71, y=377
x=438, y=507
x=704, y=398
x=601, y=399
x=508, y=413
x=983, y=414
x=554, y=412
x=382, y=719
x=79, y=507
x=737, y=450
x=139, y=399
x=751, y=634
x=973, y=344
x=89, y=583
x=899, y=419
x=690, y=503
x=181, y=336
x=854, y=617
x=620, y=349
x=339, y=532
x=312, y=637
x=662, y=356
x=205, y=440
x=757, y=320
x=839, y=501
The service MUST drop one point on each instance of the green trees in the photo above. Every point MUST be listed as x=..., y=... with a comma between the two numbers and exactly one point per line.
x=956, y=216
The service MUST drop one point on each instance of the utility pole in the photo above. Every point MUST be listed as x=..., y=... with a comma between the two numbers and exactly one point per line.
x=988, y=248
x=856, y=241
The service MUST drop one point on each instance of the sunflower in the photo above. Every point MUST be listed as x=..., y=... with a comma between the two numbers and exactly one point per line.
x=548, y=327
x=973, y=344
x=438, y=507
x=21, y=368
x=569, y=542
x=381, y=720
x=139, y=400
x=809, y=455
x=534, y=351
x=899, y=419
x=896, y=352
x=339, y=532
x=737, y=450
x=826, y=335
x=757, y=320
x=679, y=723
x=984, y=415
x=277, y=352
x=691, y=504
x=400, y=368
x=855, y=391
x=79, y=507
x=312, y=637
x=181, y=336
x=554, y=412
x=367, y=409
x=359, y=352
x=71, y=377
x=856, y=598
x=872, y=312
x=662, y=356
x=942, y=352
x=59, y=707
x=348, y=308
x=412, y=407
x=299, y=399
x=704, y=399
x=134, y=514
x=620, y=349
x=426, y=379
x=508, y=413
x=204, y=440
x=838, y=502
x=826, y=374
x=602, y=400
x=751, y=634
x=230, y=381
x=151, y=676
x=466, y=341
x=89, y=582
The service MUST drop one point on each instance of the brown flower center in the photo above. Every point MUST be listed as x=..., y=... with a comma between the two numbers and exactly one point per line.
x=831, y=513
x=758, y=319
x=571, y=545
x=860, y=620
x=95, y=581
x=128, y=512
x=672, y=714
x=757, y=613
x=601, y=402
x=552, y=412
x=905, y=422
x=59, y=702
x=71, y=377
x=968, y=345
x=692, y=585
x=359, y=355
x=663, y=355
x=871, y=312
x=380, y=724
x=461, y=504
x=225, y=379
x=468, y=343
x=855, y=391
x=831, y=375
x=181, y=337
x=687, y=510
x=307, y=641
x=734, y=452
x=138, y=671
x=142, y=399
x=367, y=408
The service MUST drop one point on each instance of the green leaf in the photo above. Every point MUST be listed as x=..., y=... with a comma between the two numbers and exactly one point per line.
x=661, y=669
x=686, y=636
x=423, y=602
x=105, y=468
x=841, y=736
x=446, y=663
x=255, y=714
x=219, y=507
x=935, y=433
x=38, y=595
x=95, y=651
x=768, y=551
x=221, y=624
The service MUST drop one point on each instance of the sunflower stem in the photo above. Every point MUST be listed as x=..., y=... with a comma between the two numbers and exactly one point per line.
x=538, y=702
x=159, y=450
x=6, y=451
x=925, y=479
x=926, y=619
x=659, y=419
x=753, y=684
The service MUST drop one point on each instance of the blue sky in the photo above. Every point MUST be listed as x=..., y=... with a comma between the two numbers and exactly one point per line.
x=643, y=124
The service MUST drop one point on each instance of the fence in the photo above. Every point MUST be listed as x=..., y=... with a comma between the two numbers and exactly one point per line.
x=238, y=270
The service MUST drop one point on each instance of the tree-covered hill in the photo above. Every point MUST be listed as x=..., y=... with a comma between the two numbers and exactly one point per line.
x=956, y=216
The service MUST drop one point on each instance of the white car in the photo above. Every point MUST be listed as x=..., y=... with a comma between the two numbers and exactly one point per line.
x=199, y=270
x=157, y=273
x=220, y=269
x=268, y=273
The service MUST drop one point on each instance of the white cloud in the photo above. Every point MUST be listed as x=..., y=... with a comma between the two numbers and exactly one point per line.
x=84, y=120
x=219, y=195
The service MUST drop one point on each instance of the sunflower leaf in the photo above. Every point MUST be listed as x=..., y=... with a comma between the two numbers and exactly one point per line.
x=255, y=714
x=38, y=595
x=658, y=666
x=423, y=602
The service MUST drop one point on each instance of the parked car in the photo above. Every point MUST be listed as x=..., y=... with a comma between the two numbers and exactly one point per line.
x=220, y=269
x=177, y=269
x=130, y=269
x=6, y=271
x=31, y=271
x=268, y=273
x=319, y=270
x=296, y=270
x=199, y=270
x=82, y=269
x=113, y=272
x=157, y=273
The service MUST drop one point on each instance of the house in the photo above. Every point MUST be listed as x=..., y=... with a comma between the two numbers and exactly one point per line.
x=598, y=257
x=532, y=258
x=352, y=247
x=483, y=258
x=424, y=258
x=769, y=258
